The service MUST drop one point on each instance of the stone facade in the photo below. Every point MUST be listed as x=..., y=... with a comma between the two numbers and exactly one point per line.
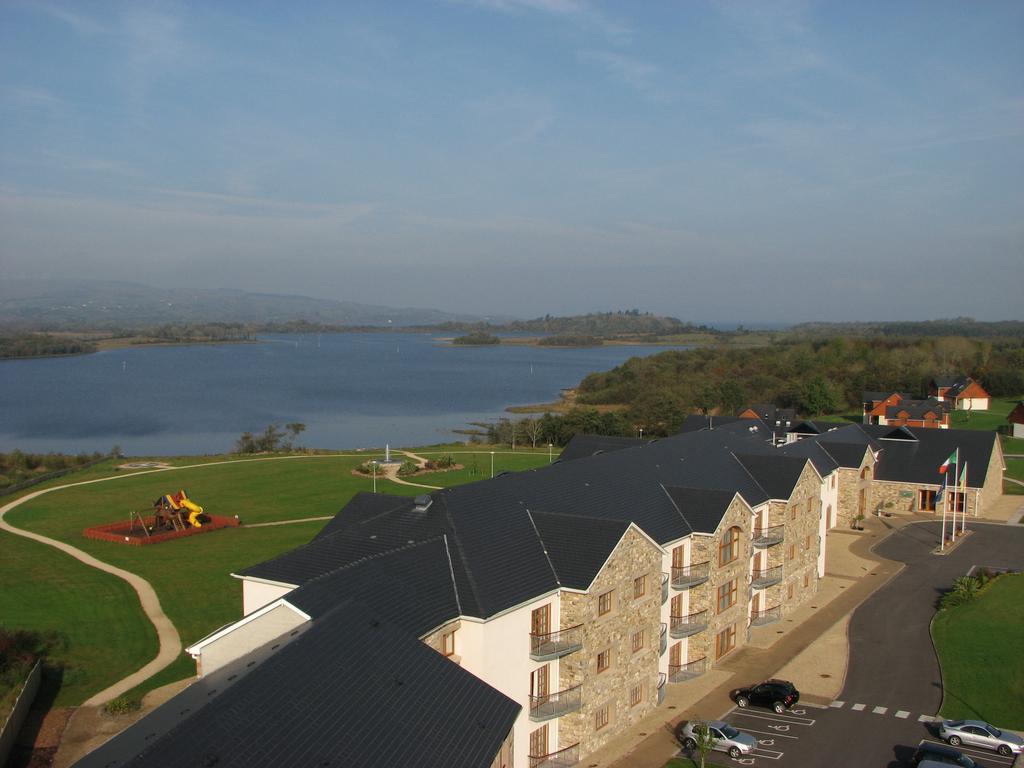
x=851, y=486
x=436, y=639
x=635, y=556
x=993, y=488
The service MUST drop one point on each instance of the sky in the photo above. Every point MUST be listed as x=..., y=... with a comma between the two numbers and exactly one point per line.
x=726, y=162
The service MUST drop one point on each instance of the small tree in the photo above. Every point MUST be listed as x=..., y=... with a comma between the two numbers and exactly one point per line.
x=703, y=741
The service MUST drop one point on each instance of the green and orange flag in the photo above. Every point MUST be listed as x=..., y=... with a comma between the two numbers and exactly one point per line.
x=947, y=462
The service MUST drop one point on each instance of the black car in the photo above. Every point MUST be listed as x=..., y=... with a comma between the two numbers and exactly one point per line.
x=779, y=695
x=932, y=753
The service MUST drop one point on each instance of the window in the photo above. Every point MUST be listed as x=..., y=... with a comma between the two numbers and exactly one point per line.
x=729, y=549
x=727, y=595
x=638, y=641
x=725, y=641
x=636, y=694
x=833, y=480
x=604, y=603
x=448, y=643
x=790, y=590
x=540, y=621
x=810, y=506
x=926, y=501
x=539, y=742
x=792, y=551
x=956, y=501
x=604, y=659
x=639, y=586
x=678, y=556
x=807, y=579
x=807, y=541
x=539, y=682
x=601, y=718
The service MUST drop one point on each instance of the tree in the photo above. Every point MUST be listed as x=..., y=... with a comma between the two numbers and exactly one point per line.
x=731, y=396
x=818, y=397
x=533, y=429
x=703, y=742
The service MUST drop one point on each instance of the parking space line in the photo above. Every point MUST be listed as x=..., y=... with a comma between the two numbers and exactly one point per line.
x=837, y=704
x=903, y=714
x=926, y=719
x=773, y=734
x=786, y=721
x=858, y=707
x=880, y=710
x=768, y=754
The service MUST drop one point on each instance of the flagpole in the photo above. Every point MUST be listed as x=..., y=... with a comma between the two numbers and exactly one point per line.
x=963, y=514
x=956, y=487
x=945, y=507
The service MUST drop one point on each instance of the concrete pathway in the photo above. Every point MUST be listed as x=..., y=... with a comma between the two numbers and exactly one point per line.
x=288, y=522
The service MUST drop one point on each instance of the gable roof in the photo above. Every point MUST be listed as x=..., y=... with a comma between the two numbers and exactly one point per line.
x=917, y=460
x=337, y=695
x=577, y=560
x=776, y=473
x=702, y=508
x=581, y=446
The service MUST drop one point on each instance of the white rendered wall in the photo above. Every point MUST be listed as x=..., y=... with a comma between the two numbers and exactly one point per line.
x=247, y=637
x=256, y=594
x=498, y=652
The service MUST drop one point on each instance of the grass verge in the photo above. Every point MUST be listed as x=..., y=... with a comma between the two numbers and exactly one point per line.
x=981, y=650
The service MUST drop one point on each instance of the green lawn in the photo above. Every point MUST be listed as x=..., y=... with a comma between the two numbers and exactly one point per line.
x=476, y=465
x=1013, y=444
x=981, y=650
x=992, y=419
x=1014, y=469
x=686, y=762
x=108, y=634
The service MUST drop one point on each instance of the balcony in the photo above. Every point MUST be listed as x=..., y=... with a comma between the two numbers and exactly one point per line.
x=684, y=626
x=555, y=704
x=662, y=679
x=680, y=673
x=689, y=576
x=664, y=588
x=560, y=759
x=767, y=616
x=769, y=536
x=664, y=639
x=554, y=645
x=765, y=577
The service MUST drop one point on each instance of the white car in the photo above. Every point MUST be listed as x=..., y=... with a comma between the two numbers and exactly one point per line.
x=977, y=733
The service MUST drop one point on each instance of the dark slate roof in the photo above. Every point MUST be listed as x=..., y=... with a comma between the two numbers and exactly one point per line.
x=813, y=450
x=847, y=455
x=363, y=506
x=874, y=397
x=581, y=446
x=812, y=427
x=915, y=409
x=578, y=558
x=918, y=460
x=776, y=473
x=702, y=509
x=946, y=381
x=696, y=422
x=352, y=690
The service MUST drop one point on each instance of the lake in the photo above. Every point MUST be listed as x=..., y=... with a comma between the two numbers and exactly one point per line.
x=351, y=390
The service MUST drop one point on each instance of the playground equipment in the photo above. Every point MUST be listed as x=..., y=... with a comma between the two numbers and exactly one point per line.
x=176, y=511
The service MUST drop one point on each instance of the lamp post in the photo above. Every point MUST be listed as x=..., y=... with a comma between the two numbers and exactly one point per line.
x=373, y=464
x=641, y=433
x=549, y=453
x=492, y=463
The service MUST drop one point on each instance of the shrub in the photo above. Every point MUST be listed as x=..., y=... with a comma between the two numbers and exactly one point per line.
x=122, y=705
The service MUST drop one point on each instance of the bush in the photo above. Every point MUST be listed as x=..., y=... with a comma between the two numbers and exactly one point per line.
x=122, y=705
x=409, y=467
x=965, y=589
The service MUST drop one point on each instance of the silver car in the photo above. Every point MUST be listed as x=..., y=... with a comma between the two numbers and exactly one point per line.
x=725, y=737
x=977, y=733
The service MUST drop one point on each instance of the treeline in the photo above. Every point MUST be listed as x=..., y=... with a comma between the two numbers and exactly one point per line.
x=630, y=322
x=191, y=332
x=273, y=439
x=557, y=428
x=42, y=345
x=17, y=467
x=958, y=326
x=815, y=377
x=477, y=338
x=570, y=340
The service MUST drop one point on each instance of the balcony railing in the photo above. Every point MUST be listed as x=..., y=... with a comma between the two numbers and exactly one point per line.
x=684, y=577
x=554, y=645
x=664, y=588
x=555, y=704
x=560, y=759
x=765, y=577
x=662, y=679
x=684, y=626
x=664, y=639
x=678, y=673
x=769, y=536
x=767, y=616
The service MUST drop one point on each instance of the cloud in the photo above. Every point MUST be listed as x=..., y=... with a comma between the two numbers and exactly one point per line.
x=781, y=37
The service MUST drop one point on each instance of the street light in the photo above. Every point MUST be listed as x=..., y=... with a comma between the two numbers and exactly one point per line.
x=641, y=433
x=373, y=463
x=492, y=463
x=549, y=453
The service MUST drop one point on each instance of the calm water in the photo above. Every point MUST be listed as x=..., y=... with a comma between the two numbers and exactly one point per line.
x=351, y=390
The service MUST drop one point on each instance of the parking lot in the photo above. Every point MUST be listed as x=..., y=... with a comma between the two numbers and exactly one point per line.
x=855, y=735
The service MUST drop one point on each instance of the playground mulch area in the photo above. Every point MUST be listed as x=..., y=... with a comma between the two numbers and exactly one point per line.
x=139, y=535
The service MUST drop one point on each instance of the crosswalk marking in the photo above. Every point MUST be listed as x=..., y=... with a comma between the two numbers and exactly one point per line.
x=925, y=719
x=880, y=710
x=837, y=704
x=903, y=714
x=858, y=707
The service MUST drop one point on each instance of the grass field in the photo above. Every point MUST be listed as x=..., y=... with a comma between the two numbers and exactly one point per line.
x=108, y=635
x=981, y=650
x=1014, y=469
x=992, y=419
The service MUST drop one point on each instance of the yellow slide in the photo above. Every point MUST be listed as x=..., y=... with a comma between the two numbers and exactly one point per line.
x=194, y=512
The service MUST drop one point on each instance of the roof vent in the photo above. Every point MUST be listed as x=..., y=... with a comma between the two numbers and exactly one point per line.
x=423, y=503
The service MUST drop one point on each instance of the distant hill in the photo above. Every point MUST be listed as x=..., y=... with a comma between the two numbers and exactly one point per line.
x=76, y=305
x=596, y=325
x=958, y=326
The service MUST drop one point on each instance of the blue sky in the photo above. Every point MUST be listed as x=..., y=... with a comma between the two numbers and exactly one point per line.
x=717, y=161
